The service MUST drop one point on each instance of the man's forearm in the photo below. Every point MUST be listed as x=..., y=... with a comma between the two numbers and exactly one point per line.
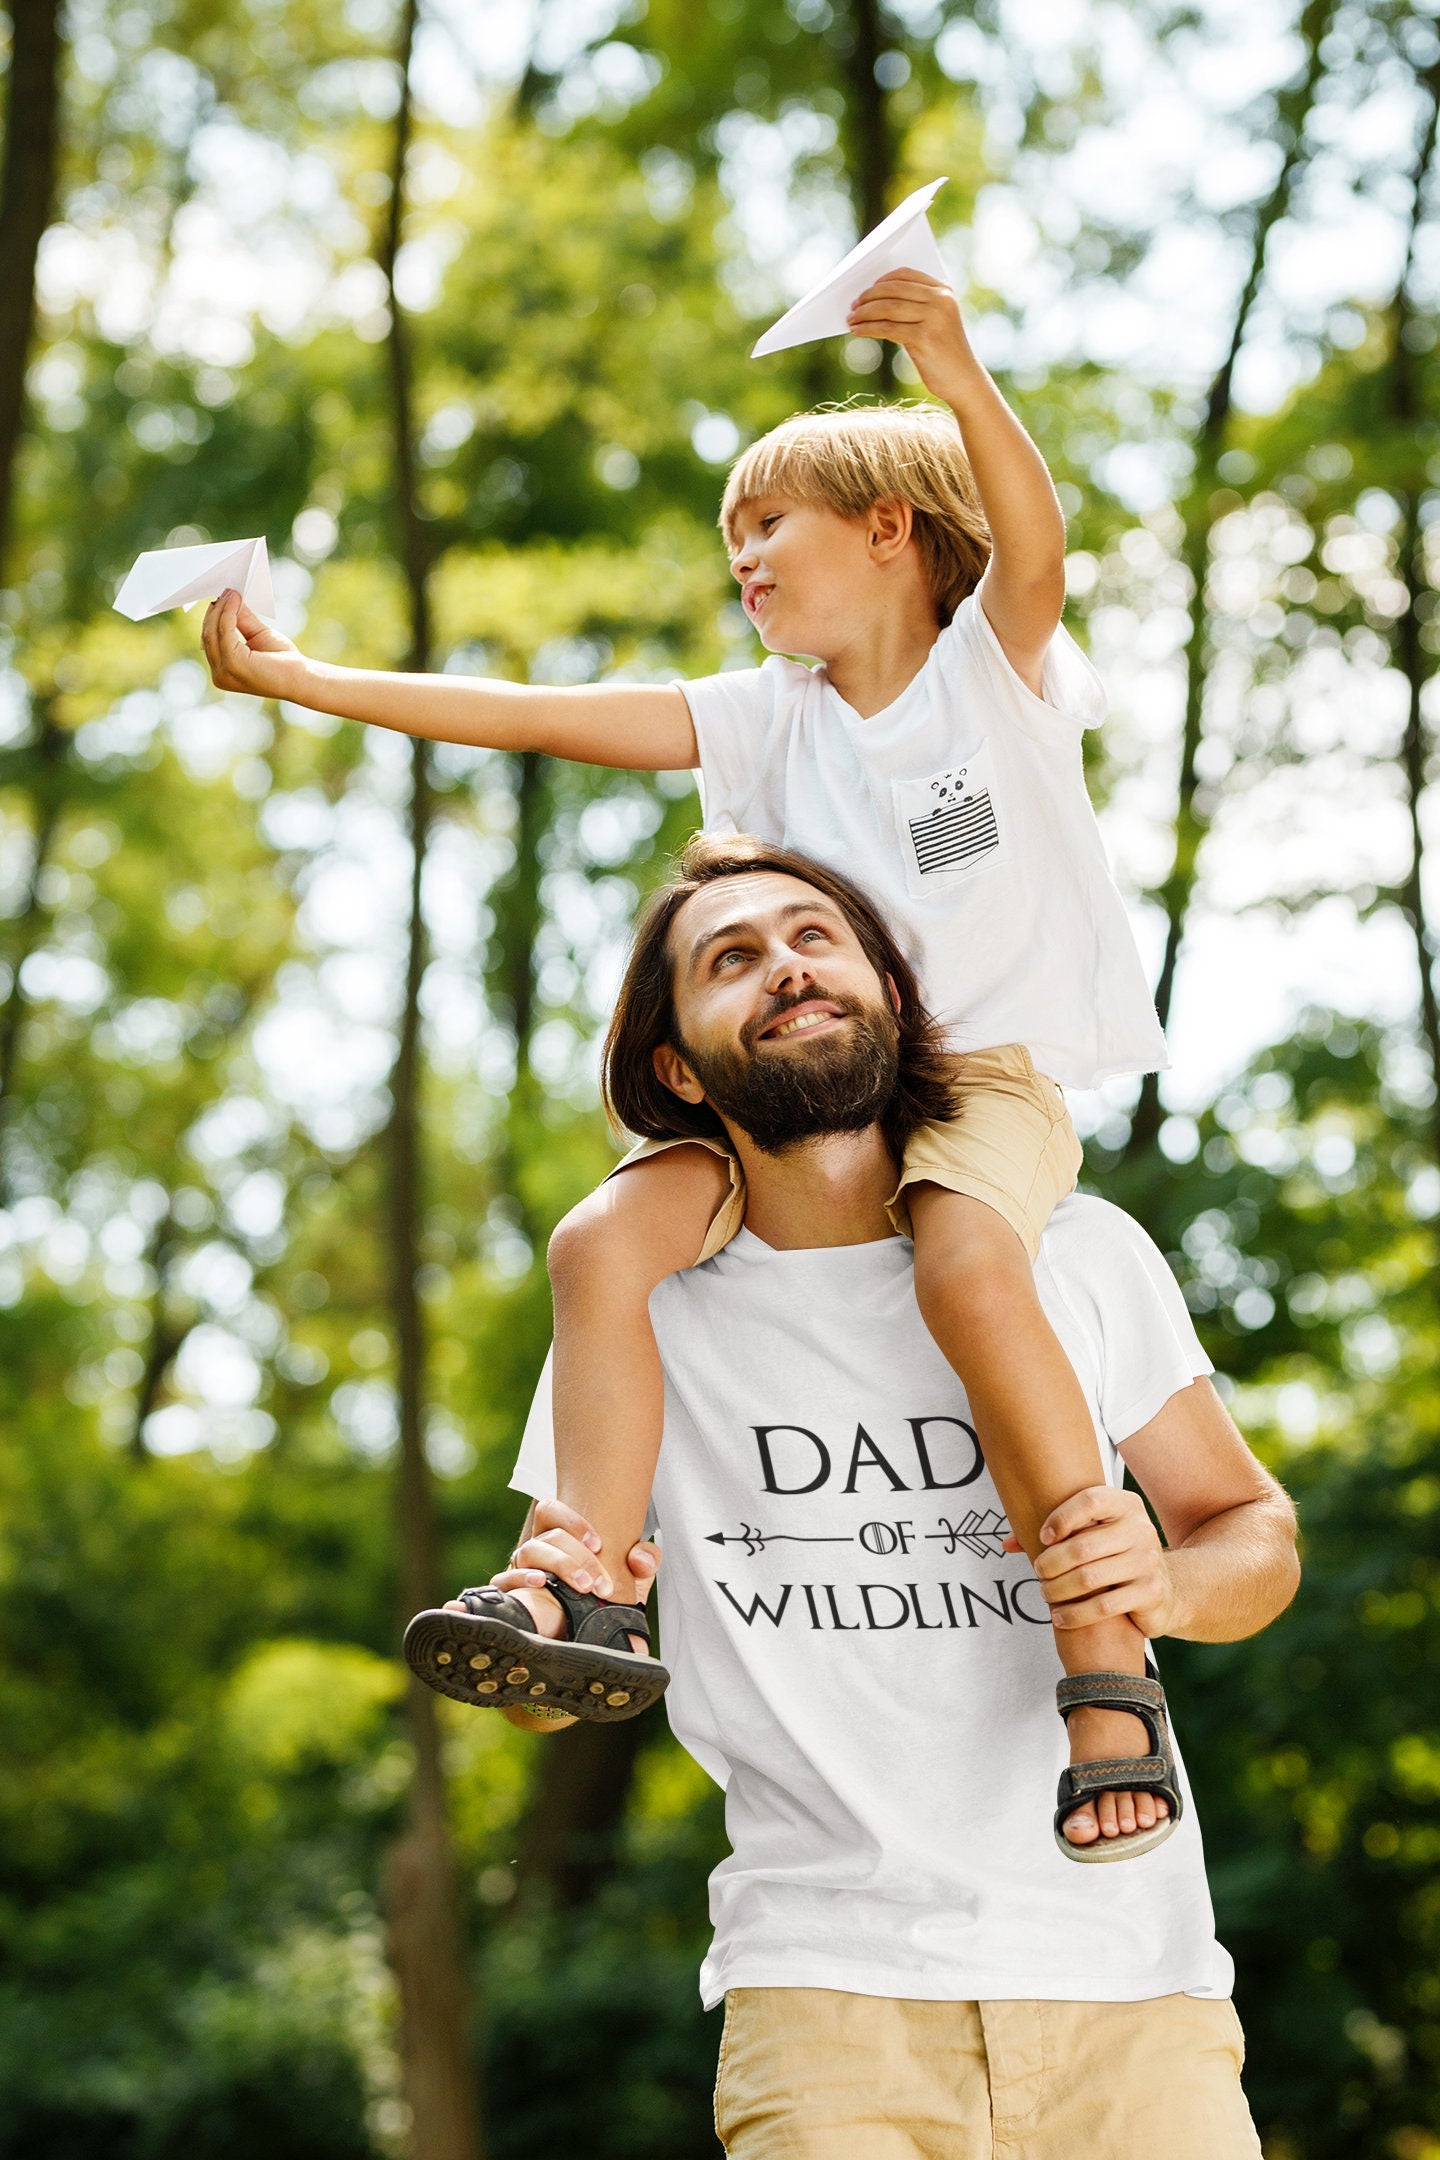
x=1233, y=1574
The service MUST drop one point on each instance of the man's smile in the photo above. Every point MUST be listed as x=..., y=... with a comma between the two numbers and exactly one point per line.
x=804, y=1019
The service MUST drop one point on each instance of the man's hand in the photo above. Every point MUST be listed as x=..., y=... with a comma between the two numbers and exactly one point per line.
x=562, y=1543
x=1101, y=1557
x=247, y=654
x=923, y=315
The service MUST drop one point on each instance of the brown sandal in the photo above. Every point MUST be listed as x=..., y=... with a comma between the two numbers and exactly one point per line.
x=491, y=1657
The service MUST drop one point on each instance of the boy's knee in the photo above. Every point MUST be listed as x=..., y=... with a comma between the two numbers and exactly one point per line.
x=580, y=1240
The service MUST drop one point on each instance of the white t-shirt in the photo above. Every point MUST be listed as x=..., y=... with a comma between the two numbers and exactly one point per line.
x=963, y=811
x=856, y=1661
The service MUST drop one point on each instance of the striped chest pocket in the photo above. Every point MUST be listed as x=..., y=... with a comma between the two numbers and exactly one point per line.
x=950, y=824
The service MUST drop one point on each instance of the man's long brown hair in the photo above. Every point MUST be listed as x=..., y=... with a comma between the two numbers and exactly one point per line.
x=644, y=1018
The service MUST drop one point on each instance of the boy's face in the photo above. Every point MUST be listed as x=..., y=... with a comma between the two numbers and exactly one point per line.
x=807, y=575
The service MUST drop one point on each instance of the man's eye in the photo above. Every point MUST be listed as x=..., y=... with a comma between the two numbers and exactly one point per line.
x=810, y=934
x=726, y=957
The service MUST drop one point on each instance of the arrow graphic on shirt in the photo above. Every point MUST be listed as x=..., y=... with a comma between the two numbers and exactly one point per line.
x=755, y=1541
x=982, y=1535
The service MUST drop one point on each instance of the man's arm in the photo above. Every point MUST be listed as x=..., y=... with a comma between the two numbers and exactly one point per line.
x=643, y=727
x=1023, y=590
x=1228, y=1565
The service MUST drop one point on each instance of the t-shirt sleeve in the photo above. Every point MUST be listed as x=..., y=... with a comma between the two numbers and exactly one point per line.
x=1122, y=1293
x=733, y=715
x=534, y=1472
x=1074, y=694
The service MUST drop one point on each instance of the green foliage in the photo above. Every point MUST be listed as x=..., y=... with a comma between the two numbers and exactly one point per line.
x=205, y=1759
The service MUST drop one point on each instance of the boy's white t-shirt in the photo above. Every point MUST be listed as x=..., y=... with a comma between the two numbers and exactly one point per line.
x=962, y=809
x=855, y=1659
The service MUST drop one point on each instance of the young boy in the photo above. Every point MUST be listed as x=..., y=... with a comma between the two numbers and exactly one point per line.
x=935, y=755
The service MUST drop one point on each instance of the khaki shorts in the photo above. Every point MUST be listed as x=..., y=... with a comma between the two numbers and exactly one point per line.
x=812, y=2074
x=1010, y=1144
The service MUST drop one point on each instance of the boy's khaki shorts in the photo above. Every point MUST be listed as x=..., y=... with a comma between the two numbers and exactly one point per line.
x=1010, y=1144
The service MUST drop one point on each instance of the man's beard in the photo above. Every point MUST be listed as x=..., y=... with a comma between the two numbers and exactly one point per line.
x=839, y=1083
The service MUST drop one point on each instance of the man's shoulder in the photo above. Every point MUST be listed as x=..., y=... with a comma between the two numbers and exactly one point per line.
x=1087, y=1237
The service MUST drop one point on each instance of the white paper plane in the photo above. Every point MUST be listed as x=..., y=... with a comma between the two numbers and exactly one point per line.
x=903, y=242
x=177, y=577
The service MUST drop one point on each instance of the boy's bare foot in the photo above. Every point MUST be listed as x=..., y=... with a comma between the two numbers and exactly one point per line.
x=1099, y=1735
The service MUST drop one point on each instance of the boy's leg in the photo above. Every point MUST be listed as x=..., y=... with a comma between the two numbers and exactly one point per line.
x=976, y=1290
x=644, y=1223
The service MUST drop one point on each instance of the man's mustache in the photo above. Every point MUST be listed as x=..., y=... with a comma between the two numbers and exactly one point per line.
x=851, y=1008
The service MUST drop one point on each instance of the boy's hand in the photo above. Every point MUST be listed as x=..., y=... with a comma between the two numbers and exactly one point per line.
x=918, y=312
x=247, y=654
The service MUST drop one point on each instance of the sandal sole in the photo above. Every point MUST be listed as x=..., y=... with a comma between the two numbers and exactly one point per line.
x=494, y=1666
x=1120, y=1848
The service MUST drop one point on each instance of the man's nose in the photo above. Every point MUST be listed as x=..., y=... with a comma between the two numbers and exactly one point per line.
x=786, y=969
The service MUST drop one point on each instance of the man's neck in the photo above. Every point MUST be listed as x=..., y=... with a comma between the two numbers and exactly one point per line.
x=827, y=1191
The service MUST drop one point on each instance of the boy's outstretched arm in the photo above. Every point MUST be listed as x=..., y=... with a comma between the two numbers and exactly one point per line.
x=1023, y=590
x=641, y=726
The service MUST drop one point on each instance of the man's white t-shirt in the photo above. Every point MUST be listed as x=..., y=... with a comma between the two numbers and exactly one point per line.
x=854, y=1658
x=963, y=811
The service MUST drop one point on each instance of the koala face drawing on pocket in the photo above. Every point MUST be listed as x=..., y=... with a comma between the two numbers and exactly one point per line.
x=950, y=821
x=948, y=789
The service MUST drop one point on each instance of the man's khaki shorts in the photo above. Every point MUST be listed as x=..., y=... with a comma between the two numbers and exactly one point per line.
x=812, y=2074
x=1010, y=1144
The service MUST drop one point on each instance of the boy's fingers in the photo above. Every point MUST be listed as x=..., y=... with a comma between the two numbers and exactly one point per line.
x=886, y=321
x=897, y=280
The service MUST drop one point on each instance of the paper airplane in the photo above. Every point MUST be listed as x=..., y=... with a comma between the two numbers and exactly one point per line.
x=903, y=242
x=176, y=577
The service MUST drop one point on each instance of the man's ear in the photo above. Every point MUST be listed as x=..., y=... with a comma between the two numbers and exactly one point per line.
x=672, y=1072
x=889, y=524
x=894, y=995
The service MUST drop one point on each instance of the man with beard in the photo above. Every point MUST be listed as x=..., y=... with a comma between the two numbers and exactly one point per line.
x=861, y=1655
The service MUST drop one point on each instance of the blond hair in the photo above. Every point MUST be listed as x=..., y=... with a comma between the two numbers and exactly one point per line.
x=852, y=457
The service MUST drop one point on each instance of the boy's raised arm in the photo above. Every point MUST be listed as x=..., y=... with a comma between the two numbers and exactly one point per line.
x=643, y=727
x=1023, y=590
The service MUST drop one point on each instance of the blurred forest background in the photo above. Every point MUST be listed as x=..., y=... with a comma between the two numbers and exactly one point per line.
x=297, y=1022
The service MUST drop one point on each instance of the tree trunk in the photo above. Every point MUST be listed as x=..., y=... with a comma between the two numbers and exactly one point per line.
x=1191, y=821
x=165, y=1337
x=48, y=753
x=1408, y=652
x=867, y=135
x=425, y=1938
x=510, y=968
x=27, y=191
x=515, y=905
x=572, y=1827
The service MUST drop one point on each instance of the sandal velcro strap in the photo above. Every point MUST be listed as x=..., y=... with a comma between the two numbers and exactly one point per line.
x=1143, y=1698
x=485, y=1603
x=594, y=1620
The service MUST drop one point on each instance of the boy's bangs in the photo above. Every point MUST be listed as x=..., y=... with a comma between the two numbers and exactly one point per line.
x=773, y=466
